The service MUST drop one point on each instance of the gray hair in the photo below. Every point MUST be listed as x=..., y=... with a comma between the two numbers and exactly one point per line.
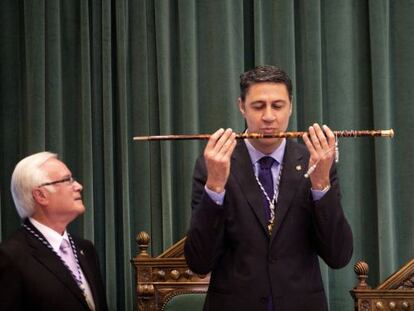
x=28, y=175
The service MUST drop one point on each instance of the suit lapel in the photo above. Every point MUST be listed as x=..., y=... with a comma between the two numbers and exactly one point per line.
x=244, y=175
x=83, y=257
x=52, y=262
x=294, y=167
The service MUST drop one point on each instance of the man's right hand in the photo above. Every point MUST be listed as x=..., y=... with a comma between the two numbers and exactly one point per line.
x=217, y=155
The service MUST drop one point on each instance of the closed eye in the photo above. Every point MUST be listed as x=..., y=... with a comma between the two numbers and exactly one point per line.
x=278, y=105
x=258, y=105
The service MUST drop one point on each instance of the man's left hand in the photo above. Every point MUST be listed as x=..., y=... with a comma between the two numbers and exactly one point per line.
x=321, y=145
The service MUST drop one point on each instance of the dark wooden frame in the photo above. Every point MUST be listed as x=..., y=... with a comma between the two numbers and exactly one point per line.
x=160, y=278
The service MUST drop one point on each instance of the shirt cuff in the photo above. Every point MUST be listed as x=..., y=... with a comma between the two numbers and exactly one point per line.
x=318, y=194
x=218, y=198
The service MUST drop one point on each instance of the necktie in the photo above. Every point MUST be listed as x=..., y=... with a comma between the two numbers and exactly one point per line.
x=68, y=257
x=266, y=179
x=66, y=253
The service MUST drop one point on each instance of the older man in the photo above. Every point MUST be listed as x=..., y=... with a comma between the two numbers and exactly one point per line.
x=43, y=267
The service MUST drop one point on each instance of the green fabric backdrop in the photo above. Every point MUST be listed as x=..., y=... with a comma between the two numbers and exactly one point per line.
x=81, y=78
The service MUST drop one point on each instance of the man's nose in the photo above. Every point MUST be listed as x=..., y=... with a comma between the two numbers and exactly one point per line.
x=78, y=185
x=268, y=114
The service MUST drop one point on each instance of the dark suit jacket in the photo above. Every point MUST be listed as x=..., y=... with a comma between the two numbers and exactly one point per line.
x=33, y=277
x=247, y=265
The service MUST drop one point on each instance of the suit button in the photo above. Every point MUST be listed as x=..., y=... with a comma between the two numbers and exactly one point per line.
x=263, y=299
x=272, y=260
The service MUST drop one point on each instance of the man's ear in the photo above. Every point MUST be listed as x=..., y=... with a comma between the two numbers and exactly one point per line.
x=242, y=106
x=39, y=196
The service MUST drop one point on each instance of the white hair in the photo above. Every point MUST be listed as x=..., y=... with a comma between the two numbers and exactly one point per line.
x=28, y=175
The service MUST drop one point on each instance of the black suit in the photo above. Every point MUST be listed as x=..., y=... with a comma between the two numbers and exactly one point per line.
x=33, y=277
x=247, y=264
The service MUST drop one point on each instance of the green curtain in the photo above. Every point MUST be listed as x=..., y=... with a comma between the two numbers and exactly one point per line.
x=83, y=77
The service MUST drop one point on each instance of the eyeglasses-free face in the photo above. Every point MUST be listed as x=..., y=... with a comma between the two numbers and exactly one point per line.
x=69, y=180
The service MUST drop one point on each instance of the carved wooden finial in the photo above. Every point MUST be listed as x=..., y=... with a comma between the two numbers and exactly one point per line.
x=143, y=240
x=361, y=269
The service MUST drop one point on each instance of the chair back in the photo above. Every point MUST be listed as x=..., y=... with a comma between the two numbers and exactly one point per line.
x=162, y=280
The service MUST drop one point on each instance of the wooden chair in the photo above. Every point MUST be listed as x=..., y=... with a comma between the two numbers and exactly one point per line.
x=395, y=293
x=165, y=282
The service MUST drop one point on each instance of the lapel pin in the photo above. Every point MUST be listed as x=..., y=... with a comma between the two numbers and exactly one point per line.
x=298, y=167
